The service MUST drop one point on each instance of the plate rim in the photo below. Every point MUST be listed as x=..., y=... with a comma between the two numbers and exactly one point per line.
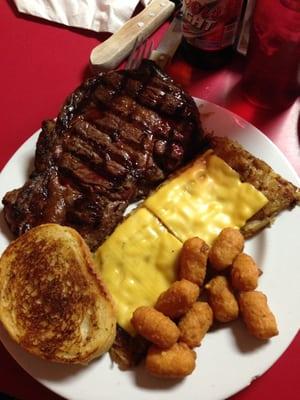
x=201, y=102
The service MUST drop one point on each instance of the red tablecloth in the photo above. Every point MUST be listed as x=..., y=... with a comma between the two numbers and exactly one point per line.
x=41, y=63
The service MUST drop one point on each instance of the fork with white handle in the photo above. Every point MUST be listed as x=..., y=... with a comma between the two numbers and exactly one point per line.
x=139, y=53
x=165, y=50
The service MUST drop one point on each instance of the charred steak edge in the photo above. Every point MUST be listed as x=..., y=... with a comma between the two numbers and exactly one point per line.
x=116, y=138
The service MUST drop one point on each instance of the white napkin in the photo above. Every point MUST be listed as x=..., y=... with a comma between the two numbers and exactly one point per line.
x=96, y=15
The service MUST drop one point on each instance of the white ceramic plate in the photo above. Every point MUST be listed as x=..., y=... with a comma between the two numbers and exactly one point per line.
x=229, y=359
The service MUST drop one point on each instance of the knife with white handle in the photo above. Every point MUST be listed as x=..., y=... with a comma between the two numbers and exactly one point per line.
x=109, y=54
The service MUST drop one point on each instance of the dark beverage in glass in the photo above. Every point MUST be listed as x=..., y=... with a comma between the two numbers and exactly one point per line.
x=271, y=77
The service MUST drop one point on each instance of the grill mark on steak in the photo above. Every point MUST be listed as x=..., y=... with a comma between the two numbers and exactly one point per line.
x=83, y=150
x=82, y=173
x=116, y=138
x=88, y=132
x=105, y=149
x=98, y=162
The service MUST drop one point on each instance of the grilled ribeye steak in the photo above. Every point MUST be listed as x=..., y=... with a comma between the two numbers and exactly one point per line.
x=116, y=138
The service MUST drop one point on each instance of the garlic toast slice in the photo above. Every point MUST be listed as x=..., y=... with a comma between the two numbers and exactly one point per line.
x=51, y=300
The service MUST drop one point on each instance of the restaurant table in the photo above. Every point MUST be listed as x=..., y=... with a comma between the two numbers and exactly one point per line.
x=41, y=63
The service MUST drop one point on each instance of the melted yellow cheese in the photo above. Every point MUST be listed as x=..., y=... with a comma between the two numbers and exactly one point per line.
x=205, y=198
x=137, y=263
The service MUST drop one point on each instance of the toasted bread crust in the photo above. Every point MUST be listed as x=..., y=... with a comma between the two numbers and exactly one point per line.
x=52, y=302
x=281, y=194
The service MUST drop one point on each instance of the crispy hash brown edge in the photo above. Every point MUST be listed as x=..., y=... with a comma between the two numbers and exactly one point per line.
x=282, y=195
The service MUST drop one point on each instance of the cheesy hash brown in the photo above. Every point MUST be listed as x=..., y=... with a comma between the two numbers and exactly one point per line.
x=280, y=193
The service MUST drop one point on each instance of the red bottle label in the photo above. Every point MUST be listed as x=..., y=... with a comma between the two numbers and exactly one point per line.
x=211, y=24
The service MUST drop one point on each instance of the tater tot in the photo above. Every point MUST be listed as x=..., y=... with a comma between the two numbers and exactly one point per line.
x=221, y=299
x=225, y=248
x=244, y=273
x=155, y=326
x=195, y=324
x=256, y=314
x=177, y=300
x=175, y=362
x=193, y=260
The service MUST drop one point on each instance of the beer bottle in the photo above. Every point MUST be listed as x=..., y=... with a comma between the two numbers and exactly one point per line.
x=209, y=29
